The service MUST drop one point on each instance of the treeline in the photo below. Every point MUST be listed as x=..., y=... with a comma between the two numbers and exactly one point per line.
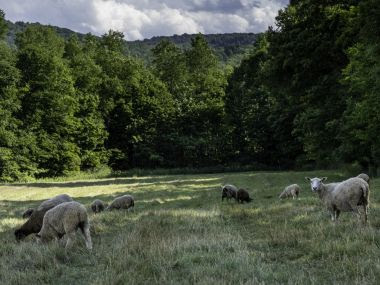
x=306, y=96
x=230, y=48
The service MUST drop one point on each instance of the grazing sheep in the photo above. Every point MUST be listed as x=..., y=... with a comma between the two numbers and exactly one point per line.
x=290, y=191
x=242, y=195
x=27, y=213
x=34, y=223
x=122, y=202
x=345, y=196
x=229, y=191
x=364, y=176
x=98, y=206
x=65, y=219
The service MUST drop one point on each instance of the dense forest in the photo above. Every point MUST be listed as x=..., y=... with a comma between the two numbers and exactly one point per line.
x=229, y=48
x=306, y=96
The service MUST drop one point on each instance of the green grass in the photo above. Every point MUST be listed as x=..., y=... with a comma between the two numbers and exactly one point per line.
x=181, y=233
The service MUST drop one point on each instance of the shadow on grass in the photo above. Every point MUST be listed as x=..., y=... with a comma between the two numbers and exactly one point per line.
x=117, y=181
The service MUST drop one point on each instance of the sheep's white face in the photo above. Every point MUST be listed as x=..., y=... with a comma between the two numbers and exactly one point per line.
x=316, y=183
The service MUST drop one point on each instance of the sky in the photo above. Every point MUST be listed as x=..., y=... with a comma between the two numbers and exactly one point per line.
x=139, y=19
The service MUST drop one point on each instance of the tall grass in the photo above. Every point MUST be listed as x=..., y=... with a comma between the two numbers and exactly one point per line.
x=181, y=233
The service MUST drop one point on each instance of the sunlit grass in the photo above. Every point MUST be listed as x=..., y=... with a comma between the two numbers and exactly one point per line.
x=180, y=232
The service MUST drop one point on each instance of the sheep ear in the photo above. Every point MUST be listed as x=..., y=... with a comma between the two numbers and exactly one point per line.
x=308, y=178
x=324, y=179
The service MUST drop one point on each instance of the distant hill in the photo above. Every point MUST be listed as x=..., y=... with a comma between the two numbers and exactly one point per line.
x=230, y=47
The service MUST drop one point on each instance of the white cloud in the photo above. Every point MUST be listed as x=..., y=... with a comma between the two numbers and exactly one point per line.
x=139, y=19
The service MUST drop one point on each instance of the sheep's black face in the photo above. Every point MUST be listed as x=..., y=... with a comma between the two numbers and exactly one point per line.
x=19, y=234
x=316, y=183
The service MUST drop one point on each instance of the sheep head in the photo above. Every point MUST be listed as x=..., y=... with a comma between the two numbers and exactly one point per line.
x=19, y=234
x=316, y=183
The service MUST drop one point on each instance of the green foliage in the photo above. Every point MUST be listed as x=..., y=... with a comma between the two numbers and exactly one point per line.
x=15, y=143
x=197, y=85
x=3, y=24
x=307, y=55
x=91, y=132
x=135, y=106
x=359, y=135
x=306, y=95
x=248, y=104
x=49, y=105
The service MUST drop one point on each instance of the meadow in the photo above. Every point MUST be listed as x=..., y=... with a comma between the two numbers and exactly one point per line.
x=180, y=232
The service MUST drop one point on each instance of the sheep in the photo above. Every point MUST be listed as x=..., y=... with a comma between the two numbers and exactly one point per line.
x=229, y=191
x=242, y=195
x=65, y=219
x=98, y=206
x=27, y=213
x=122, y=202
x=345, y=196
x=34, y=223
x=290, y=191
x=364, y=176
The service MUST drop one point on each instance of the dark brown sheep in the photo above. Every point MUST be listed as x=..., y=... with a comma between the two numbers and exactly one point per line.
x=34, y=223
x=27, y=213
x=98, y=206
x=242, y=196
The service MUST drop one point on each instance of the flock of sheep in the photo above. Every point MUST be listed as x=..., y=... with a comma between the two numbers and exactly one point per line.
x=60, y=215
x=345, y=196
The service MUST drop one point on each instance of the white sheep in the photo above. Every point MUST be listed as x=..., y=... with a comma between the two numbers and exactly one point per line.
x=345, y=196
x=229, y=191
x=122, y=202
x=292, y=190
x=65, y=219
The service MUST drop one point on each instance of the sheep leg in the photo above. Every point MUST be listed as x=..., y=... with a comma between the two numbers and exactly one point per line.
x=332, y=216
x=337, y=213
x=365, y=207
x=70, y=240
x=356, y=211
x=87, y=236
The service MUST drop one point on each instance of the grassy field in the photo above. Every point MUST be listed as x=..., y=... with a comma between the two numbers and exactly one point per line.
x=181, y=233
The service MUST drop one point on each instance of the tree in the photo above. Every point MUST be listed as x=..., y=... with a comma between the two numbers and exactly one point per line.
x=3, y=24
x=15, y=143
x=49, y=105
x=248, y=107
x=307, y=54
x=169, y=65
x=91, y=135
x=135, y=106
x=359, y=134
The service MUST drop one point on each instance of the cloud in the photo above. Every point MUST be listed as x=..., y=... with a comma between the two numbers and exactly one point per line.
x=139, y=19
